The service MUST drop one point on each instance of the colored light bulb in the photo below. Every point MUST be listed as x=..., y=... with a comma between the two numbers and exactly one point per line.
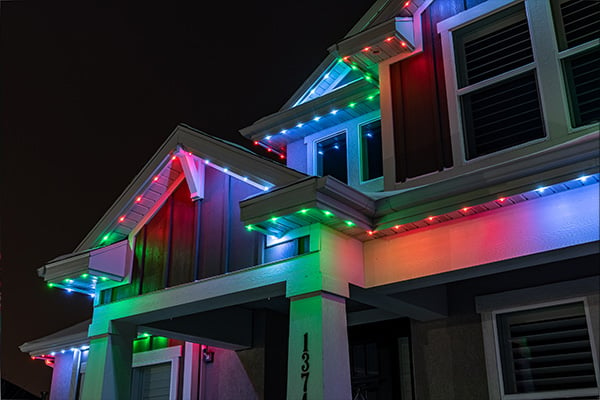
x=155, y=178
x=138, y=199
x=122, y=218
x=349, y=223
x=389, y=39
x=403, y=44
x=174, y=158
x=352, y=105
x=366, y=49
x=334, y=112
x=249, y=227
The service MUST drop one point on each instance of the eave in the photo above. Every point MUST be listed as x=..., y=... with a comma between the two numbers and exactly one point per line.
x=279, y=129
x=75, y=336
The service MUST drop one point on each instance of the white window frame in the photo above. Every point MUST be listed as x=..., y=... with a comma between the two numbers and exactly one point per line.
x=160, y=356
x=352, y=130
x=529, y=299
x=550, y=78
x=360, y=152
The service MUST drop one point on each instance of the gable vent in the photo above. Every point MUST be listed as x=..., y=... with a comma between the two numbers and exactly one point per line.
x=548, y=353
x=581, y=21
x=502, y=115
x=497, y=52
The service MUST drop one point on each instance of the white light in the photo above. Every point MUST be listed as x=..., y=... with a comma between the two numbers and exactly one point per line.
x=326, y=76
x=300, y=125
x=53, y=353
x=541, y=189
x=283, y=131
x=268, y=137
x=313, y=91
x=334, y=112
x=206, y=162
x=69, y=290
x=225, y=170
x=583, y=178
x=316, y=118
x=320, y=152
x=83, y=348
x=62, y=352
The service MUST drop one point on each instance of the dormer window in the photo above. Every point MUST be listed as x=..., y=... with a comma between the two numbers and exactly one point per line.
x=370, y=146
x=331, y=157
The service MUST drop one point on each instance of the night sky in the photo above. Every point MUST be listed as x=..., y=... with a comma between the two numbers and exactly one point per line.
x=90, y=90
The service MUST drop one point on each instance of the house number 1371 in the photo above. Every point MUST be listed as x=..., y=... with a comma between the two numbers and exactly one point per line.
x=305, y=368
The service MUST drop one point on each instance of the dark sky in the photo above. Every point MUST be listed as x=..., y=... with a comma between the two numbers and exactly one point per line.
x=89, y=90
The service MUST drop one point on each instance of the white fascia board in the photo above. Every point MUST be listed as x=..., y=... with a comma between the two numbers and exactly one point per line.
x=304, y=112
x=220, y=153
x=55, y=344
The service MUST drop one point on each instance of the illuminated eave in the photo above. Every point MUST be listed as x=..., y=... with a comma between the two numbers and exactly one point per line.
x=281, y=128
x=330, y=202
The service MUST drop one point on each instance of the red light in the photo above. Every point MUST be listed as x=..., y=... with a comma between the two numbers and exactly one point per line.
x=389, y=39
x=397, y=227
x=370, y=233
x=174, y=158
x=190, y=153
x=347, y=58
x=269, y=149
x=406, y=4
x=282, y=156
x=403, y=44
x=502, y=199
x=256, y=142
x=155, y=178
x=430, y=218
x=122, y=218
x=138, y=199
x=465, y=209
x=366, y=49
x=32, y=357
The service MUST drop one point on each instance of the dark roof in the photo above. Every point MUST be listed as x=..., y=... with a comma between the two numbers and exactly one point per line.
x=10, y=391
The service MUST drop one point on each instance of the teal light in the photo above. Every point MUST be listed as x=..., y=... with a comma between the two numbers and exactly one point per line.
x=249, y=228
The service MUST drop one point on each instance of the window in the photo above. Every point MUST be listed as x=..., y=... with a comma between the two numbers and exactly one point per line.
x=152, y=382
x=545, y=350
x=497, y=83
x=287, y=249
x=522, y=71
x=370, y=145
x=331, y=157
x=577, y=25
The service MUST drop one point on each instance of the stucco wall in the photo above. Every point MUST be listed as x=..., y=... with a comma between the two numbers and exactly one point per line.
x=448, y=359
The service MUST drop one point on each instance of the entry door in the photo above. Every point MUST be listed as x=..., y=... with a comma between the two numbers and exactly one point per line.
x=152, y=382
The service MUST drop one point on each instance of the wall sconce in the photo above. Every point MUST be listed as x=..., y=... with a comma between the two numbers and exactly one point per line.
x=208, y=356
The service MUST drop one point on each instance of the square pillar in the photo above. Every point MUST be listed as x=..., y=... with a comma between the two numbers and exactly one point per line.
x=318, y=358
x=65, y=375
x=108, y=370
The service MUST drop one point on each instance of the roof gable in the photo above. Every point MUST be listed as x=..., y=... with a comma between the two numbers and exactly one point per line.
x=184, y=155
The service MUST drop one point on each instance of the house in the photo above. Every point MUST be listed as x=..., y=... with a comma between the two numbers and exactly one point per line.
x=433, y=234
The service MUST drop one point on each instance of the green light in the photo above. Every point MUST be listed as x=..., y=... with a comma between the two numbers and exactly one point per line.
x=354, y=67
x=103, y=278
x=371, y=97
x=368, y=78
x=105, y=238
x=349, y=223
x=249, y=228
x=85, y=275
x=274, y=219
x=50, y=284
x=303, y=211
x=146, y=334
x=328, y=213
x=352, y=105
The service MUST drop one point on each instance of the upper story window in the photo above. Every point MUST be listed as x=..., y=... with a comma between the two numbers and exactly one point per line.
x=331, y=157
x=522, y=71
x=497, y=84
x=577, y=25
x=370, y=145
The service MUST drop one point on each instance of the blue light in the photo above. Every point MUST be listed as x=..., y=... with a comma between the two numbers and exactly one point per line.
x=320, y=152
x=300, y=125
x=283, y=131
x=333, y=112
x=335, y=146
x=268, y=137
x=583, y=178
x=316, y=118
x=541, y=189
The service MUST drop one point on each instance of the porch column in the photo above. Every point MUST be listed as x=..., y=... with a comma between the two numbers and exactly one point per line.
x=65, y=375
x=318, y=359
x=108, y=370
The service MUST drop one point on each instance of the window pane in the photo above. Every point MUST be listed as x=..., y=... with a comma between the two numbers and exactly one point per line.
x=546, y=349
x=492, y=46
x=331, y=157
x=287, y=249
x=370, y=138
x=582, y=74
x=576, y=22
x=502, y=115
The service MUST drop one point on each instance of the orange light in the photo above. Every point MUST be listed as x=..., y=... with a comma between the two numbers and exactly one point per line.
x=346, y=58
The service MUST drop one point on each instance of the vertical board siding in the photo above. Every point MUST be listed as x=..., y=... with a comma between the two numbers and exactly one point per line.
x=211, y=231
x=419, y=106
x=156, y=251
x=181, y=266
x=243, y=244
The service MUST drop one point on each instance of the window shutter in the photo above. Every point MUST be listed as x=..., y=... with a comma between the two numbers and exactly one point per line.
x=546, y=349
